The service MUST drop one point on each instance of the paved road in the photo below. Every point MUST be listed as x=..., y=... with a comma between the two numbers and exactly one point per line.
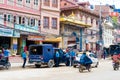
x=103, y=72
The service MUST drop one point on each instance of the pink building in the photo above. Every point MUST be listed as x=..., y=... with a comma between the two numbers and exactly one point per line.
x=50, y=14
x=23, y=21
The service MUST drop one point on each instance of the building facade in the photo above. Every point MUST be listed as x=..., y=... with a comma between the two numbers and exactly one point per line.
x=107, y=24
x=50, y=13
x=19, y=23
x=77, y=25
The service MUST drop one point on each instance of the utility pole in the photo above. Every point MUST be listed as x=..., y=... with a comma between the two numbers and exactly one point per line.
x=100, y=31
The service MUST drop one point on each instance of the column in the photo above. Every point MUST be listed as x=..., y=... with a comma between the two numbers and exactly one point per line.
x=14, y=46
x=81, y=40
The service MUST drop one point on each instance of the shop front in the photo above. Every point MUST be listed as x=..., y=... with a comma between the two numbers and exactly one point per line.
x=28, y=35
x=8, y=39
x=5, y=37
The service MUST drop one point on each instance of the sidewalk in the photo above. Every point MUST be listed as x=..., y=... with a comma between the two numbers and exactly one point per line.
x=16, y=61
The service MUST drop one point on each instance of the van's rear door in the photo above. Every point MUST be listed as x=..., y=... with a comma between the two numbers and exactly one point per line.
x=35, y=53
x=48, y=52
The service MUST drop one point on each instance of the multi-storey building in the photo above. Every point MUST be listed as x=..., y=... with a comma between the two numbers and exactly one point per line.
x=50, y=13
x=19, y=21
x=107, y=24
x=25, y=22
x=78, y=24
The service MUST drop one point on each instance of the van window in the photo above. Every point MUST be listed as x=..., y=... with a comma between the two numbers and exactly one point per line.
x=48, y=50
x=36, y=50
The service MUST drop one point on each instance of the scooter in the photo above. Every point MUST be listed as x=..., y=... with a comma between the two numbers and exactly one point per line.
x=115, y=65
x=83, y=67
x=4, y=64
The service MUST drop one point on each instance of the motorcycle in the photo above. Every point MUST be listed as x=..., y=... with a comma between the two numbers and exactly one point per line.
x=115, y=65
x=84, y=67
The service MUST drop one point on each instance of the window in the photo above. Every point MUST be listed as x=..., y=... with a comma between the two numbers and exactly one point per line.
x=39, y=23
x=20, y=0
x=5, y=17
x=32, y=22
x=19, y=20
x=54, y=23
x=14, y=19
x=27, y=1
x=46, y=2
x=65, y=4
x=23, y=20
x=46, y=22
x=35, y=2
x=54, y=1
x=8, y=18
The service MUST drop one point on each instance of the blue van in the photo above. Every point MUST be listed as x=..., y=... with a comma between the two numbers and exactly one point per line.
x=41, y=54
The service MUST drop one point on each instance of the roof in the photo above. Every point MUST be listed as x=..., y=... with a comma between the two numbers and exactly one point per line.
x=80, y=8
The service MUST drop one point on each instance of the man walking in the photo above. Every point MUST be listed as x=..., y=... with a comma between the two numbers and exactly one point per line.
x=24, y=56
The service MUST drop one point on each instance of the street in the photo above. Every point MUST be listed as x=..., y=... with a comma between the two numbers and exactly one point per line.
x=103, y=72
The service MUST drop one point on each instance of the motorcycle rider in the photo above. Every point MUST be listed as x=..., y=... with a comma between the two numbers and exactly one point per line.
x=115, y=58
x=85, y=60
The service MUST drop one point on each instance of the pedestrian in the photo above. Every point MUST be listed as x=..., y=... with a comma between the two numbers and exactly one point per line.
x=67, y=57
x=57, y=57
x=6, y=54
x=104, y=53
x=24, y=56
x=72, y=56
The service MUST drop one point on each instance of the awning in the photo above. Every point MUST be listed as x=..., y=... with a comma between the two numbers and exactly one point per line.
x=58, y=39
x=74, y=22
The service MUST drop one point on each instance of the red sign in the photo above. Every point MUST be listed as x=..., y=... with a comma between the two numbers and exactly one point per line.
x=114, y=14
x=36, y=38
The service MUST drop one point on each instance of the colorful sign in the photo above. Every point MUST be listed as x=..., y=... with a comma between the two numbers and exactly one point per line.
x=36, y=38
x=114, y=14
x=6, y=32
x=27, y=28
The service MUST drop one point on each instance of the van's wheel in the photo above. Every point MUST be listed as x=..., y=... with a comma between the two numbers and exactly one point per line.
x=37, y=65
x=51, y=63
x=8, y=65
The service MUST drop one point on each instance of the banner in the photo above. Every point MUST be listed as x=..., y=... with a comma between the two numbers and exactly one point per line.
x=6, y=32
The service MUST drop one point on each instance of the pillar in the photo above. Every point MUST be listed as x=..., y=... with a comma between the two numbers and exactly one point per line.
x=81, y=39
x=14, y=46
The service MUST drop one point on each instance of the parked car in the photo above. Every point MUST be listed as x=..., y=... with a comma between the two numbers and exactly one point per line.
x=92, y=56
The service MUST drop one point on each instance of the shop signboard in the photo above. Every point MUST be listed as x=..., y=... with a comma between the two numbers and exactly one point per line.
x=36, y=38
x=16, y=33
x=6, y=32
x=27, y=28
